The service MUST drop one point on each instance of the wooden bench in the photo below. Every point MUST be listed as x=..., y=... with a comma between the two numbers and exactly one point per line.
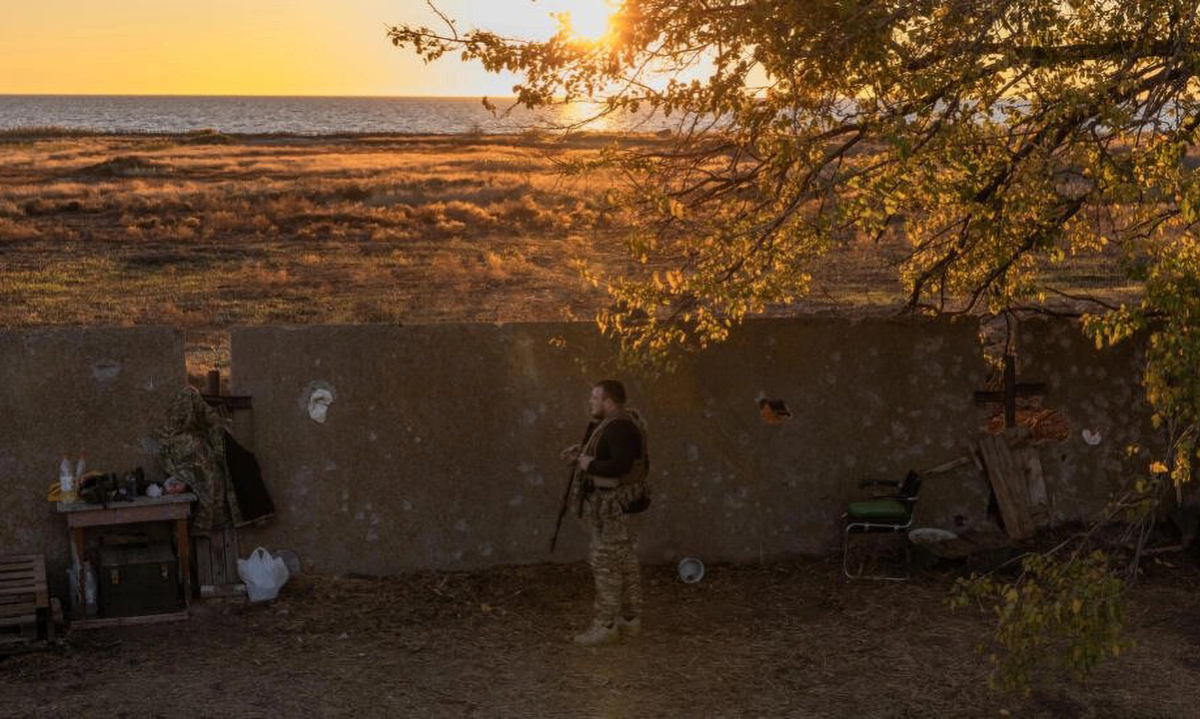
x=24, y=599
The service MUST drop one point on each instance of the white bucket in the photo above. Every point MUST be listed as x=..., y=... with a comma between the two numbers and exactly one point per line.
x=691, y=570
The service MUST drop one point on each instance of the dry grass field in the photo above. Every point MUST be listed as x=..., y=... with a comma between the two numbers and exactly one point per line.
x=204, y=231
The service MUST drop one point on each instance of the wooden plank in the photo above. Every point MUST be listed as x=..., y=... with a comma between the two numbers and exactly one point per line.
x=1018, y=488
x=997, y=460
x=224, y=590
x=129, y=515
x=31, y=588
x=203, y=560
x=184, y=554
x=216, y=549
x=19, y=620
x=14, y=639
x=18, y=558
x=130, y=621
x=86, y=508
x=79, y=560
x=1039, y=497
x=231, y=555
x=17, y=575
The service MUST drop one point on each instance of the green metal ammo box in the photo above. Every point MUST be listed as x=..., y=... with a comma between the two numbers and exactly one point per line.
x=138, y=580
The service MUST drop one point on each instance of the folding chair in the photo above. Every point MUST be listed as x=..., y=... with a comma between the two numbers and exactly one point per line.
x=882, y=513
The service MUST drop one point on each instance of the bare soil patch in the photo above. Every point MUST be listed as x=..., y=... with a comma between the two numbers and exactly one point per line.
x=786, y=639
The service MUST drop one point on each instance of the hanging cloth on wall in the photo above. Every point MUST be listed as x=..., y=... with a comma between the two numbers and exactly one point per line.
x=253, y=499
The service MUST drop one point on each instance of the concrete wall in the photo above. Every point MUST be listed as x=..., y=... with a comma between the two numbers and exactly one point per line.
x=104, y=391
x=439, y=450
x=1096, y=390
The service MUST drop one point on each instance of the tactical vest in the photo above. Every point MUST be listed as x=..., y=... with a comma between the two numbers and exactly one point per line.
x=631, y=491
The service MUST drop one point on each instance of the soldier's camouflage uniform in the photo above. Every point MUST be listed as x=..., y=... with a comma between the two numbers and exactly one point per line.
x=612, y=556
x=612, y=552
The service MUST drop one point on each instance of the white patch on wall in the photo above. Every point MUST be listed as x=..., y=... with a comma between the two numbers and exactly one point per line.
x=532, y=476
x=302, y=480
x=1093, y=438
x=407, y=506
x=106, y=370
x=315, y=399
x=516, y=501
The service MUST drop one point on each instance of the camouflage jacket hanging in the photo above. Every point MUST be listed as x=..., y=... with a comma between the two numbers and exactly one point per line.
x=193, y=450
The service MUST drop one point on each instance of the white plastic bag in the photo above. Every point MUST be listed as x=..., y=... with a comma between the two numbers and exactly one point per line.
x=263, y=575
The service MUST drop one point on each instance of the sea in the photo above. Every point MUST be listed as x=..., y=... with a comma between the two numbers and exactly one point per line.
x=308, y=115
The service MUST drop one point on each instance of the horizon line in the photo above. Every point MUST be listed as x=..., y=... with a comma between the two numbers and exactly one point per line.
x=171, y=94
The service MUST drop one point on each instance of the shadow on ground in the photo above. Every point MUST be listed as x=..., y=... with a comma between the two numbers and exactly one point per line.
x=788, y=639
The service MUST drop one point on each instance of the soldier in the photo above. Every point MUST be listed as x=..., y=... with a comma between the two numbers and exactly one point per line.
x=613, y=464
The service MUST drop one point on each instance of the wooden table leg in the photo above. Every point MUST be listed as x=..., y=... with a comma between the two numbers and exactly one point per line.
x=181, y=537
x=80, y=608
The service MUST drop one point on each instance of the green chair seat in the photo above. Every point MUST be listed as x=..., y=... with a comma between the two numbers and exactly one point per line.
x=880, y=509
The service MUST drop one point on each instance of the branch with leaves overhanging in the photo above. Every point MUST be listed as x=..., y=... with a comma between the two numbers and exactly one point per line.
x=991, y=138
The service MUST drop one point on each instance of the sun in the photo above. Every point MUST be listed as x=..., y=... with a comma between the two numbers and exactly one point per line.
x=588, y=19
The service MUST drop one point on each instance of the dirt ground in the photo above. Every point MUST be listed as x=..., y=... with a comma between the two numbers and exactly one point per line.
x=786, y=639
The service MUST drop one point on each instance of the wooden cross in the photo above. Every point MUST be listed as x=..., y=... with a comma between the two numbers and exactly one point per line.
x=212, y=394
x=1012, y=390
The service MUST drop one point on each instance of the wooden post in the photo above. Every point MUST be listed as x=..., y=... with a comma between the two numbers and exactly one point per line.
x=181, y=536
x=80, y=609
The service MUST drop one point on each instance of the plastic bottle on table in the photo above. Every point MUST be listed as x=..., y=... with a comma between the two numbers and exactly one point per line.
x=66, y=481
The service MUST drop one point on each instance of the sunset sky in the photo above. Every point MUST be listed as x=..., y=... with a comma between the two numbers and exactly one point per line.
x=253, y=47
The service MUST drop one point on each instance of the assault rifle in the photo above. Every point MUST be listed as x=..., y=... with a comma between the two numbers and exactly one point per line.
x=562, y=510
x=566, y=500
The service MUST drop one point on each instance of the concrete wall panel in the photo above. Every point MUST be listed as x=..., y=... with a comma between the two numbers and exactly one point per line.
x=104, y=391
x=439, y=449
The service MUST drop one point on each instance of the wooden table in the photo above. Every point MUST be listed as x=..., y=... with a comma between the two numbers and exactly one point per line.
x=167, y=508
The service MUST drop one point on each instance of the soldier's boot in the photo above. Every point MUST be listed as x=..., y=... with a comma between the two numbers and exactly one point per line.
x=598, y=634
x=629, y=627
